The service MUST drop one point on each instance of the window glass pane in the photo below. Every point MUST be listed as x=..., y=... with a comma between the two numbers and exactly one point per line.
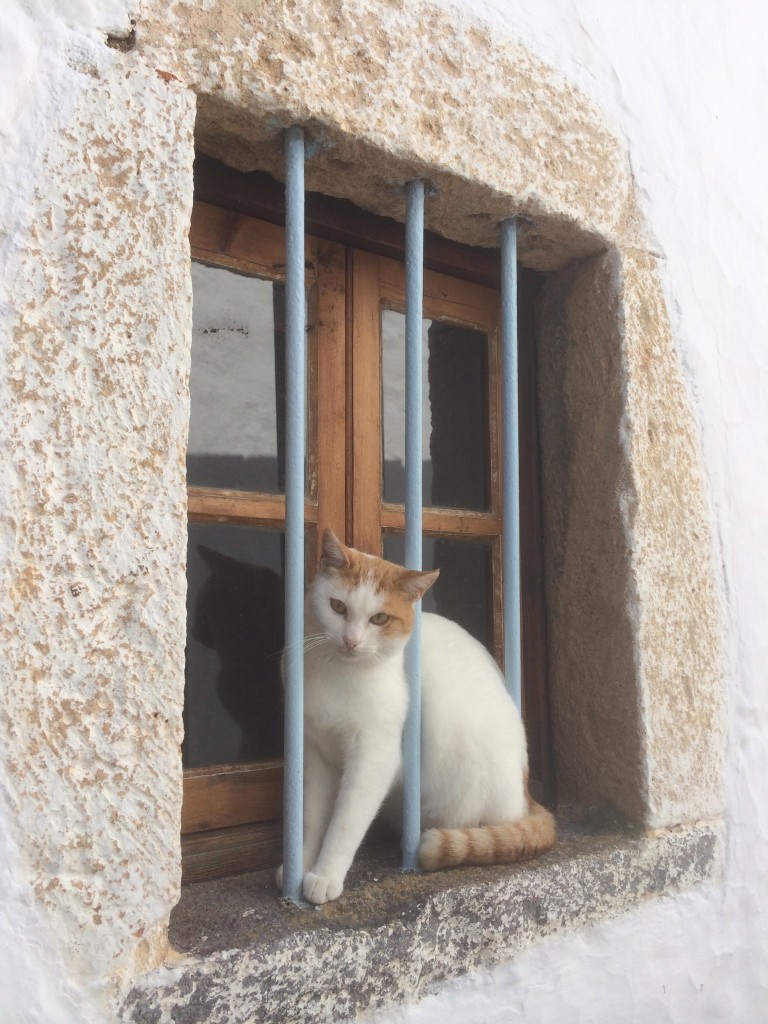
x=464, y=589
x=455, y=423
x=237, y=383
x=233, y=697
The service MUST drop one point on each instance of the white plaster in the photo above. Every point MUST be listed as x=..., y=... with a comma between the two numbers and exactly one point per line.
x=34, y=982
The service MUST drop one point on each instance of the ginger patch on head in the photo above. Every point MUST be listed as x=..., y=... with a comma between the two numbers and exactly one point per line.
x=398, y=588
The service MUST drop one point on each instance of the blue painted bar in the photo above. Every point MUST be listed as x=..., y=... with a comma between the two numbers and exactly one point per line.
x=414, y=295
x=295, y=443
x=510, y=460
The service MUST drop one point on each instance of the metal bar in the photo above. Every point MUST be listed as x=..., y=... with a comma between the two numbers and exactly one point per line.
x=510, y=460
x=295, y=373
x=414, y=294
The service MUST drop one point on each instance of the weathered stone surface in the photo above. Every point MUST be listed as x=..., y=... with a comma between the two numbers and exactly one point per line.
x=92, y=589
x=391, y=938
x=635, y=650
x=598, y=732
x=391, y=91
x=673, y=598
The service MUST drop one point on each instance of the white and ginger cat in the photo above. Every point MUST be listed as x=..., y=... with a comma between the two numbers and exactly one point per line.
x=475, y=804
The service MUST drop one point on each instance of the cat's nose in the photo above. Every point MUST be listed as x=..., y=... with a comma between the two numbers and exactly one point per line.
x=351, y=643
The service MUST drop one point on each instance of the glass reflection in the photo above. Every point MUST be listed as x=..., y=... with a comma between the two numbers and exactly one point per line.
x=455, y=428
x=237, y=382
x=233, y=697
x=464, y=589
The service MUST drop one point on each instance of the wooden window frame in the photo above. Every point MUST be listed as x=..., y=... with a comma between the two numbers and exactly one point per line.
x=229, y=811
x=378, y=283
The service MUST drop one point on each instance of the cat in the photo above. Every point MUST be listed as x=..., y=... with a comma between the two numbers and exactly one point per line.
x=475, y=805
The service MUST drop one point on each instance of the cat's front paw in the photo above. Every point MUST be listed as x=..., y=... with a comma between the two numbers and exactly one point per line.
x=319, y=889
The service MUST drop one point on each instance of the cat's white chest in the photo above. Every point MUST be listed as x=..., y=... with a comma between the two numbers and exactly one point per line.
x=347, y=704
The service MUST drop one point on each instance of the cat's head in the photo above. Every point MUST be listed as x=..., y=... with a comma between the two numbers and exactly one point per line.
x=364, y=604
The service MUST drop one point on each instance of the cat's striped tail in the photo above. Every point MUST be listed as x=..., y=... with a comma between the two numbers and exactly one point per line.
x=489, y=844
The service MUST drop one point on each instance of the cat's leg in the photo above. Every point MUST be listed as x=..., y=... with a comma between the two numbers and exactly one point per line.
x=367, y=777
x=321, y=784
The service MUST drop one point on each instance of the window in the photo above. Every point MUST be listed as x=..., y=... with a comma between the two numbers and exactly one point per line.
x=354, y=475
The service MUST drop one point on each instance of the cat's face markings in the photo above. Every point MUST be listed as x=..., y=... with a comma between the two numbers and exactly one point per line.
x=365, y=603
x=347, y=607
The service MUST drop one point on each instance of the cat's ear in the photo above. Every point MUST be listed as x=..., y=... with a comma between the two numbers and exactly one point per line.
x=415, y=584
x=334, y=553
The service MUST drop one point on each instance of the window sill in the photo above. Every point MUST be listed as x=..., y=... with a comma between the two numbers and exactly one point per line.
x=390, y=938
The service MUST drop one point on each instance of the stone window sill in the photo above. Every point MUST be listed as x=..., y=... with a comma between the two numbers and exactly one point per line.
x=389, y=938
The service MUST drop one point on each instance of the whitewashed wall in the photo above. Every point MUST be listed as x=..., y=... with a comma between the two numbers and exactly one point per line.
x=684, y=84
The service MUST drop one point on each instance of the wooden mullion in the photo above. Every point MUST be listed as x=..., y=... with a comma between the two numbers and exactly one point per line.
x=447, y=522
x=494, y=418
x=497, y=600
x=219, y=505
x=495, y=477
x=364, y=442
x=349, y=325
x=331, y=390
x=534, y=651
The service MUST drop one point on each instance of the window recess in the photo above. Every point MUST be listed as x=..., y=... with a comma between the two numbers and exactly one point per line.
x=354, y=473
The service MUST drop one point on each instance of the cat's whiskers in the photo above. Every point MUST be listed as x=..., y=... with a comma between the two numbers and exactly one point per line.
x=303, y=642
x=307, y=643
x=315, y=641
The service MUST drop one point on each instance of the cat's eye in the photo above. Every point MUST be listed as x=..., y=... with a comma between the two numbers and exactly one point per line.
x=338, y=606
x=379, y=618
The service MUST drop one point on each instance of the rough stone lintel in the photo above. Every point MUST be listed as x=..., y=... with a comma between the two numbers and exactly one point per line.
x=390, y=92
